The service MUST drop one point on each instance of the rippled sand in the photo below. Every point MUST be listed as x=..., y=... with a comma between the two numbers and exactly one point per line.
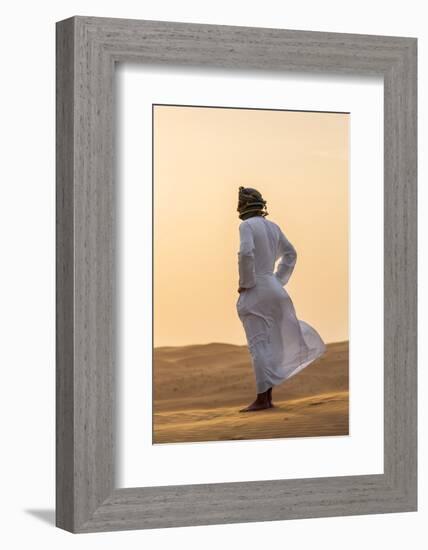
x=198, y=391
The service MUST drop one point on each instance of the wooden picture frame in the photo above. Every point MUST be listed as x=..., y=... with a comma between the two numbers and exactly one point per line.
x=87, y=50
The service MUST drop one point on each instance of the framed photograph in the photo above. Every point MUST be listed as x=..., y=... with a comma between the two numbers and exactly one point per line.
x=236, y=274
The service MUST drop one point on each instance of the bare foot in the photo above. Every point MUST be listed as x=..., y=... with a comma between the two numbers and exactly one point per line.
x=269, y=396
x=255, y=407
x=259, y=404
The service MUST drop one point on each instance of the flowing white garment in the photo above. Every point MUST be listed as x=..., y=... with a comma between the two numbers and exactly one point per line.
x=280, y=344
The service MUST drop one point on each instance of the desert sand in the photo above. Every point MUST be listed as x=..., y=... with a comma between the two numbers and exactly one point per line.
x=199, y=389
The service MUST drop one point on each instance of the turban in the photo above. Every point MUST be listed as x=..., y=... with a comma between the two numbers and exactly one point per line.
x=251, y=200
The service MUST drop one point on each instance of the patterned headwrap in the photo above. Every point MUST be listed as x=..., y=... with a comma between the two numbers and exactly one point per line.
x=250, y=200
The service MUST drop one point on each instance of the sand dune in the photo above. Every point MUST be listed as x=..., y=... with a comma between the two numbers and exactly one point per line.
x=199, y=389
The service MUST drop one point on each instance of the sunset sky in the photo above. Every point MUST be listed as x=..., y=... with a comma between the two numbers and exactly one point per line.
x=299, y=162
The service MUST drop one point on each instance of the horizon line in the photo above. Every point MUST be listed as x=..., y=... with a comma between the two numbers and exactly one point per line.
x=275, y=109
x=234, y=345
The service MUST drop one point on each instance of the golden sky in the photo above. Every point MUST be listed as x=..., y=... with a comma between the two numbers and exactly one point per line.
x=299, y=162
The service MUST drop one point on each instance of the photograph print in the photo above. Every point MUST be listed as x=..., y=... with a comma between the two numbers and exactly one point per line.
x=250, y=273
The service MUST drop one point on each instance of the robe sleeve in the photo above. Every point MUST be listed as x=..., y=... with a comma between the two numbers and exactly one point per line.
x=246, y=263
x=288, y=257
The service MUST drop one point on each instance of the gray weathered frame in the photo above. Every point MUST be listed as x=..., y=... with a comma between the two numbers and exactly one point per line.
x=87, y=50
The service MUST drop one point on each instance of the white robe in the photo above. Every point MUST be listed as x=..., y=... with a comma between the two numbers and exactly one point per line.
x=280, y=344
